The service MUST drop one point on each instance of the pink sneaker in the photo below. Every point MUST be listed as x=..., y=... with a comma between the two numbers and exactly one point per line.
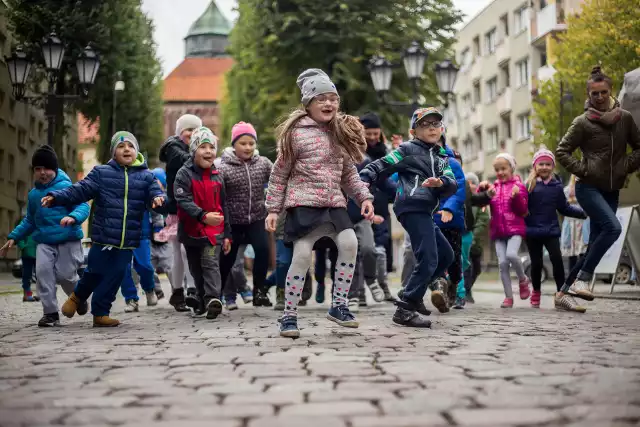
x=525, y=292
x=507, y=303
x=535, y=299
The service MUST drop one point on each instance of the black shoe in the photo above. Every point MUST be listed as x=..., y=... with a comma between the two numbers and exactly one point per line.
x=49, y=320
x=362, y=302
x=420, y=307
x=159, y=293
x=260, y=299
x=214, y=308
x=302, y=303
x=82, y=309
x=177, y=300
x=192, y=300
x=200, y=308
x=406, y=317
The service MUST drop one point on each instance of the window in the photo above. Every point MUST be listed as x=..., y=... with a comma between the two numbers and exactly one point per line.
x=524, y=126
x=520, y=20
x=522, y=72
x=543, y=4
x=12, y=168
x=505, y=76
x=492, y=89
x=504, y=25
x=492, y=140
x=465, y=59
x=543, y=58
x=490, y=40
x=22, y=139
x=2, y=165
x=476, y=46
x=466, y=105
x=506, y=127
x=476, y=93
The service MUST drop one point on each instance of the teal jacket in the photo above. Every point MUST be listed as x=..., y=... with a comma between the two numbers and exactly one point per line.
x=43, y=224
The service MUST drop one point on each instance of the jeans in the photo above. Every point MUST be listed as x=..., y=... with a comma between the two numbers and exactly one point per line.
x=28, y=265
x=471, y=274
x=536, y=247
x=142, y=265
x=284, y=255
x=432, y=252
x=600, y=206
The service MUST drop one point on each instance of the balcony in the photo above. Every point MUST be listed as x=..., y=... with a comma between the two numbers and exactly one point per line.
x=475, y=117
x=502, y=51
x=504, y=101
x=546, y=73
x=547, y=21
x=476, y=70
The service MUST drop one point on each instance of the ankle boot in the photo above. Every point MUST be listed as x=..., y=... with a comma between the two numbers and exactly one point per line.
x=104, y=322
x=406, y=315
x=70, y=306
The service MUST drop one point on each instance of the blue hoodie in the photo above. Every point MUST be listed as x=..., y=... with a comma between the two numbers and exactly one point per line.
x=455, y=202
x=43, y=224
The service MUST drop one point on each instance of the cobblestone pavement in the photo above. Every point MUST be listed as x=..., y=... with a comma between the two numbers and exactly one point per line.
x=481, y=366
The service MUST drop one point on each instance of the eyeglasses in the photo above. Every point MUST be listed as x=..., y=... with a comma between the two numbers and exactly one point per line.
x=323, y=99
x=596, y=93
x=426, y=124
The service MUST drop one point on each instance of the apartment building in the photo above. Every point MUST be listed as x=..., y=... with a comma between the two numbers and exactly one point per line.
x=502, y=53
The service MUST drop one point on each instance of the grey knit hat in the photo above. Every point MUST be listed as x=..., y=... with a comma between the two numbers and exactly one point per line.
x=187, y=121
x=314, y=82
x=472, y=178
x=122, y=137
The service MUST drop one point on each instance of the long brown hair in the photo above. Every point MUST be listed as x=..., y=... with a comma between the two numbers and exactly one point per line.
x=532, y=179
x=345, y=130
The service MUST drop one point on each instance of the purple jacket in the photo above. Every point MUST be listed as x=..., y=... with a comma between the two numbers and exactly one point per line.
x=507, y=213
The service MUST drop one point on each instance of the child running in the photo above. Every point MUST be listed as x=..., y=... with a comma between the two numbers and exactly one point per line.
x=507, y=226
x=424, y=178
x=57, y=232
x=121, y=190
x=546, y=196
x=318, y=148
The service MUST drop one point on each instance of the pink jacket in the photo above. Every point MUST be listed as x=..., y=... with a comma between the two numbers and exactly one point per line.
x=316, y=176
x=507, y=213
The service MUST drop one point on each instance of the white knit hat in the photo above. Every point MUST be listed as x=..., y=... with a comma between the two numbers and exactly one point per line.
x=187, y=121
x=509, y=158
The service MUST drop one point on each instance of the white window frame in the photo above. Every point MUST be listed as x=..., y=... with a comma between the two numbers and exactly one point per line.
x=521, y=19
x=492, y=140
x=490, y=41
x=491, y=95
x=524, y=126
x=466, y=58
x=522, y=66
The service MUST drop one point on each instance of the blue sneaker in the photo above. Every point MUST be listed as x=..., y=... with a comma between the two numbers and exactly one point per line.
x=289, y=327
x=247, y=296
x=320, y=293
x=230, y=303
x=342, y=316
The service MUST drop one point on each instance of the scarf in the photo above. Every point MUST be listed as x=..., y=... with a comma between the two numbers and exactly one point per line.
x=377, y=151
x=610, y=117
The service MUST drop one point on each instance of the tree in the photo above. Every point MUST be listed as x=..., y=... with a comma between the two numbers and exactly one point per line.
x=605, y=32
x=122, y=35
x=274, y=40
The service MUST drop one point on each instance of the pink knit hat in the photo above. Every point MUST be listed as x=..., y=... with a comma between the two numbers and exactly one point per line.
x=241, y=129
x=544, y=154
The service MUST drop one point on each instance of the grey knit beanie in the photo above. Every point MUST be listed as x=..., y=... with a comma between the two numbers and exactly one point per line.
x=314, y=82
x=122, y=137
x=187, y=121
x=472, y=178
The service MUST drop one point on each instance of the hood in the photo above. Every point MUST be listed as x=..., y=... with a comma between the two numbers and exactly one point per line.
x=61, y=176
x=172, y=140
x=307, y=121
x=138, y=163
x=229, y=156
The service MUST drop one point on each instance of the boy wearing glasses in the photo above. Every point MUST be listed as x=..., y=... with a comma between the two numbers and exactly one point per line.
x=424, y=177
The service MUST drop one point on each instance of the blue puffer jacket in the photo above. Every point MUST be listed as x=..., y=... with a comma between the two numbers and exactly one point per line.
x=121, y=196
x=45, y=223
x=545, y=201
x=455, y=202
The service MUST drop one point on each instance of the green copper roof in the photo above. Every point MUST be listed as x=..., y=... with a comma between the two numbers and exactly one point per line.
x=212, y=21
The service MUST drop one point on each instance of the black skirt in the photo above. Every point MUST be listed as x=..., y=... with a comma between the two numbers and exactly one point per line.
x=302, y=220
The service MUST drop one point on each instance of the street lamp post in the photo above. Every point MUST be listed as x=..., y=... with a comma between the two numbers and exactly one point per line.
x=19, y=65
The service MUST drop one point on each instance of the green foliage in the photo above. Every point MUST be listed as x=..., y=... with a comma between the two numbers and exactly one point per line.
x=273, y=41
x=122, y=35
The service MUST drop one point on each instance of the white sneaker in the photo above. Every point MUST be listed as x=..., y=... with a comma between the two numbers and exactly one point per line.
x=354, y=305
x=376, y=292
x=152, y=298
x=580, y=289
x=132, y=305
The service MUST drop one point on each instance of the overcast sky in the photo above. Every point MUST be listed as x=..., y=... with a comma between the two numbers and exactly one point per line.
x=173, y=18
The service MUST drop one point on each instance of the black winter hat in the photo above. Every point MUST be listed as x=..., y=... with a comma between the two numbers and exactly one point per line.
x=45, y=157
x=370, y=121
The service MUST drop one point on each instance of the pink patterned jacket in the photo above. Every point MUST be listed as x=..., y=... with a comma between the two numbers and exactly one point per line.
x=316, y=176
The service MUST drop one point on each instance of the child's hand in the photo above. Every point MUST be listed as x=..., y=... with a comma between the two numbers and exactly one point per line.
x=226, y=246
x=6, y=247
x=432, y=183
x=445, y=216
x=515, y=191
x=67, y=221
x=157, y=202
x=377, y=219
x=484, y=186
x=46, y=201
x=367, y=210
x=270, y=222
x=491, y=191
x=213, y=218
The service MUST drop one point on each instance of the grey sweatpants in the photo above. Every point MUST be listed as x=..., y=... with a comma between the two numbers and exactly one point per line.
x=507, y=252
x=366, y=259
x=237, y=280
x=204, y=265
x=57, y=264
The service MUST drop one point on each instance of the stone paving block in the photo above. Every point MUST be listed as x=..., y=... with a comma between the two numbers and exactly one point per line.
x=186, y=423
x=423, y=404
x=600, y=412
x=301, y=387
x=422, y=420
x=278, y=398
x=298, y=421
x=504, y=416
x=48, y=416
x=215, y=412
x=340, y=395
x=365, y=385
x=180, y=399
x=337, y=409
x=93, y=402
x=121, y=416
x=231, y=388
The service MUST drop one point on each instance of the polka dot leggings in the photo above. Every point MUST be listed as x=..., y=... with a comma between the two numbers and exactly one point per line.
x=347, y=244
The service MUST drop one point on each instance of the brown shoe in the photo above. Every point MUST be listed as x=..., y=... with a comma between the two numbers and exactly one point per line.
x=104, y=322
x=70, y=306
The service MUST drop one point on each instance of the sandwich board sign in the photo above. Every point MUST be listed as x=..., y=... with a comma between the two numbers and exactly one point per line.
x=629, y=218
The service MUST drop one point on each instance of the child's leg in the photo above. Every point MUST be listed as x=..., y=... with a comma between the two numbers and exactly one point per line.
x=142, y=265
x=128, y=287
x=46, y=277
x=503, y=265
x=357, y=285
x=347, y=244
x=320, y=267
x=535, y=247
x=177, y=267
x=28, y=265
x=408, y=264
x=454, y=238
x=194, y=258
x=445, y=252
x=555, y=255
x=113, y=267
x=381, y=265
x=366, y=250
x=260, y=242
x=284, y=255
x=210, y=265
x=513, y=249
x=236, y=280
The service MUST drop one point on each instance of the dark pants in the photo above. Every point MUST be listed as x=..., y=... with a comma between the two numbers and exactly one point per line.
x=600, y=206
x=253, y=234
x=28, y=265
x=432, y=253
x=471, y=274
x=536, y=247
x=106, y=268
x=573, y=260
x=388, y=247
x=454, y=237
x=320, y=268
x=204, y=266
x=142, y=265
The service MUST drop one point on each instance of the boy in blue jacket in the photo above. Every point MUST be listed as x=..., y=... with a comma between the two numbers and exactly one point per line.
x=424, y=177
x=121, y=191
x=57, y=232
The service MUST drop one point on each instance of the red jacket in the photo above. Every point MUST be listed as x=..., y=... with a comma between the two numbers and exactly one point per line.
x=197, y=193
x=507, y=213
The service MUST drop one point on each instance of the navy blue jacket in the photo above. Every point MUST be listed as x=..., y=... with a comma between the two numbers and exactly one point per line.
x=455, y=202
x=544, y=202
x=415, y=161
x=121, y=196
